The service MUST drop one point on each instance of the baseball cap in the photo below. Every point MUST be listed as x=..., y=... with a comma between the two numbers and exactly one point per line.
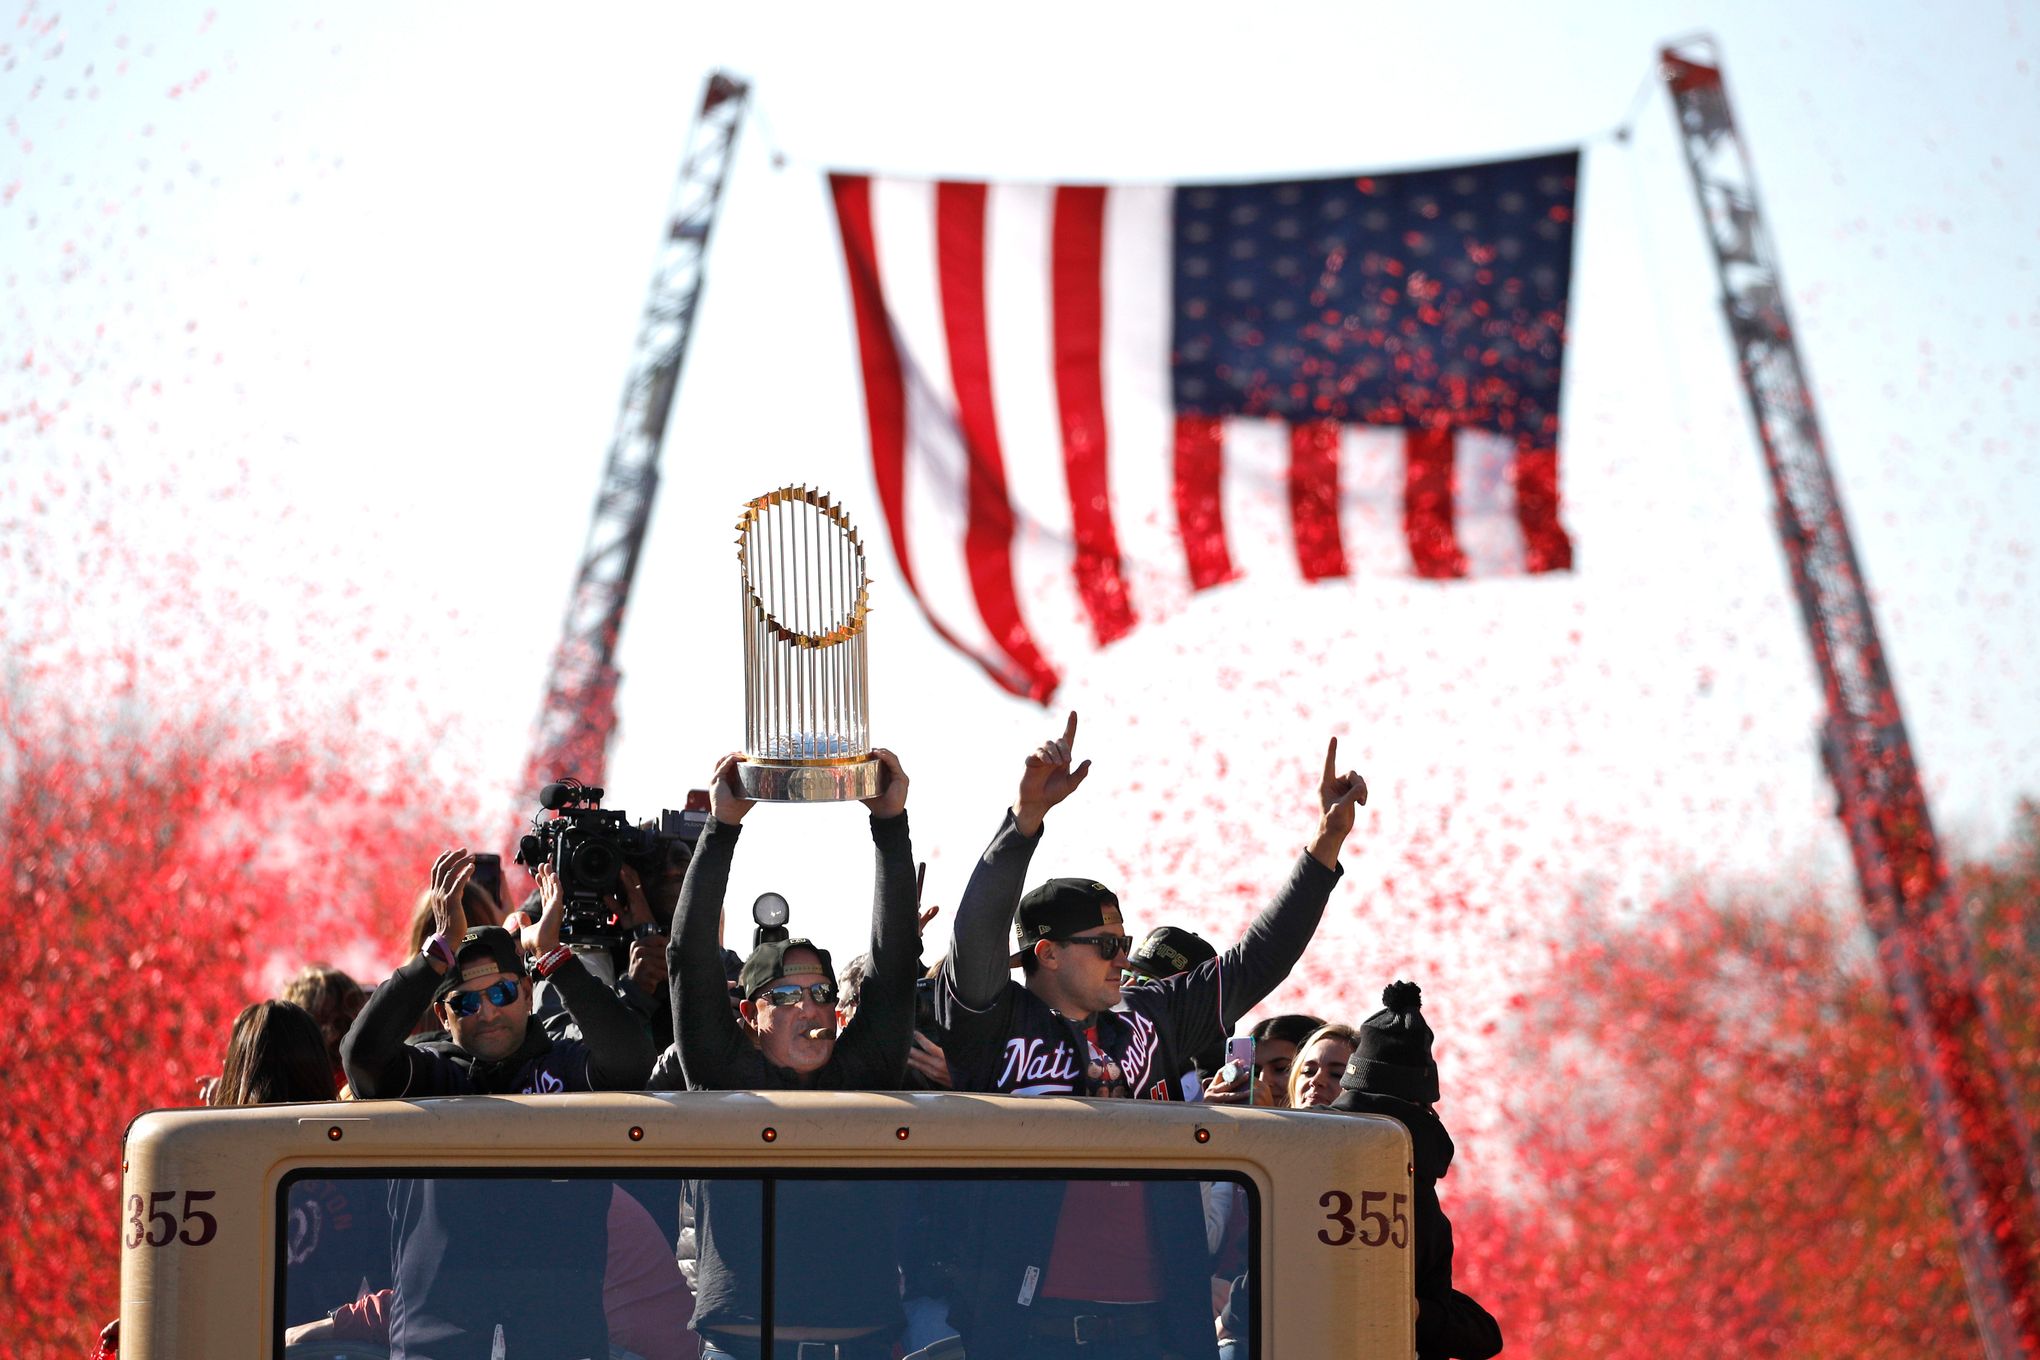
x=491, y=944
x=1059, y=909
x=1168, y=950
x=767, y=964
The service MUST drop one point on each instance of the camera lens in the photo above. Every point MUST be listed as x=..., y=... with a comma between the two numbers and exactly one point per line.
x=593, y=866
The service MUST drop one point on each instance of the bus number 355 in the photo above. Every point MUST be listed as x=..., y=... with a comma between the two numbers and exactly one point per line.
x=1391, y=1229
x=161, y=1224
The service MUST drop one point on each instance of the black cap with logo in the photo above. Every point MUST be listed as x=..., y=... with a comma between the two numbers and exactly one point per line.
x=1060, y=908
x=1168, y=950
x=490, y=944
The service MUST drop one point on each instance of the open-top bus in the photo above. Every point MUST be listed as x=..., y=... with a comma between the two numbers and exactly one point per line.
x=232, y=1220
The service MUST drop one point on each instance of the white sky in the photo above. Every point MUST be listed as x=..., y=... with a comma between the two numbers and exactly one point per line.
x=327, y=310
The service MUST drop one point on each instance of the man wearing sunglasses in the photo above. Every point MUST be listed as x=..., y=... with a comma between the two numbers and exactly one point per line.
x=478, y=984
x=451, y=1301
x=784, y=1036
x=1110, y=1270
x=1055, y=1032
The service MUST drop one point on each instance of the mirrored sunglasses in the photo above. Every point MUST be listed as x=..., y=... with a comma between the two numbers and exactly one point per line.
x=500, y=993
x=1109, y=947
x=790, y=993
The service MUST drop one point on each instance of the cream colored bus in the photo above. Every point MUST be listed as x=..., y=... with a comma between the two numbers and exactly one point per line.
x=530, y=1219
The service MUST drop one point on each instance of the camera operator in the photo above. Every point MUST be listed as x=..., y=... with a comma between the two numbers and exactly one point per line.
x=1096, y=1269
x=622, y=883
x=638, y=967
x=478, y=985
x=848, y=1305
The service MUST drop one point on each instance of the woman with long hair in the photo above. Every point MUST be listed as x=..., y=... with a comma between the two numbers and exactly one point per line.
x=1320, y=1061
x=276, y=1055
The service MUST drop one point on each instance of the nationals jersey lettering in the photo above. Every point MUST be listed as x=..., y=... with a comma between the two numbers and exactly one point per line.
x=1065, y=1066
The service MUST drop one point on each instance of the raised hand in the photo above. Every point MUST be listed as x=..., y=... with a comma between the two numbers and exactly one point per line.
x=892, y=790
x=1048, y=778
x=1338, y=796
x=726, y=792
x=544, y=937
x=450, y=875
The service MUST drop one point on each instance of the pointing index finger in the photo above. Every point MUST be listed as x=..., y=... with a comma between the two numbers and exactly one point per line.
x=1332, y=761
x=1069, y=735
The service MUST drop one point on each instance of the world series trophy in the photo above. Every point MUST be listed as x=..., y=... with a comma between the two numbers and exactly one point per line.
x=807, y=729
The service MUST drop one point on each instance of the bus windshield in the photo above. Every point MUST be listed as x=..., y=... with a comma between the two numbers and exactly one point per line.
x=651, y=1262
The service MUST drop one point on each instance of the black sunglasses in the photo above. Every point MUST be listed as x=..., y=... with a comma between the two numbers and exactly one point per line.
x=500, y=993
x=1109, y=947
x=790, y=993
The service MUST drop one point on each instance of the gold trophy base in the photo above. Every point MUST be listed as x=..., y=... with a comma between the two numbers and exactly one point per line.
x=794, y=781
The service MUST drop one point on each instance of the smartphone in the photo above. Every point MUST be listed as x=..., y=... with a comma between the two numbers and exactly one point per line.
x=489, y=875
x=1239, y=1059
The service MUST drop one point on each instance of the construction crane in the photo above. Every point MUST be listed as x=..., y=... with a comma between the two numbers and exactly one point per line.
x=578, y=715
x=1980, y=1138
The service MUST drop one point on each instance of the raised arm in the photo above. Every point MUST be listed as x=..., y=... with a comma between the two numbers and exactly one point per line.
x=1277, y=937
x=872, y=1053
x=710, y=1040
x=378, y=1063
x=976, y=969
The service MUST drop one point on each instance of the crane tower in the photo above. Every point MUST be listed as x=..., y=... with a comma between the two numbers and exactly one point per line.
x=578, y=714
x=1981, y=1141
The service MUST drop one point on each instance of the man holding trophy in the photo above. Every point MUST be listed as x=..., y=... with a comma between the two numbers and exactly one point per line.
x=806, y=741
x=786, y=1036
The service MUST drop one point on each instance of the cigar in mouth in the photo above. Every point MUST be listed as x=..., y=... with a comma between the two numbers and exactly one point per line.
x=822, y=1032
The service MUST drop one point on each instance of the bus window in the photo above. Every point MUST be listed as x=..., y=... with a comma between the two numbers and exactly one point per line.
x=499, y=1264
x=853, y=1224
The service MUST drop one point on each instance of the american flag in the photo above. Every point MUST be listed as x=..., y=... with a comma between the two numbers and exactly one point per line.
x=1086, y=402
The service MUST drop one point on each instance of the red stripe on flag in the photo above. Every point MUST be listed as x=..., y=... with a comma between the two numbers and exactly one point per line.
x=1314, y=499
x=988, y=541
x=885, y=391
x=1546, y=546
x=1078, y=303
x=1200, y=505
x=1427, y=503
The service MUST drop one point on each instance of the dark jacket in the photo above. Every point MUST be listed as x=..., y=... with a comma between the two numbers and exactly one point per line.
x=1450, y=1325
x=1004, y=1038
x=653, y=1009
x=835, y=1288
x=716, y=1054
x=613, y=1055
